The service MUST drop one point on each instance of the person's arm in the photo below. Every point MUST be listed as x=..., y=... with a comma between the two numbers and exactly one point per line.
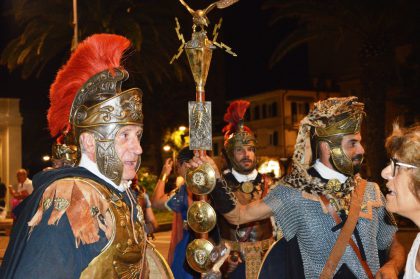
x=18, y=195
x=22, y=195
x=12, y=191
x=235, y=214
x=396, y=262
x=150, y=216
x=159, y=198
x=242, y=214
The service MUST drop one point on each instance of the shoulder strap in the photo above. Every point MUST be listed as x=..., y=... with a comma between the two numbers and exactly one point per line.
x=344, y=237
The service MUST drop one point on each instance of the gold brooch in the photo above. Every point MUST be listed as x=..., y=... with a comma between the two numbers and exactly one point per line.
x=333, y=185
x=247, y=187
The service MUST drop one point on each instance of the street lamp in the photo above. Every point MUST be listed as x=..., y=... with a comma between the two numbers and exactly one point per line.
x=166, y=148
x=46, y=158
x=182, y=128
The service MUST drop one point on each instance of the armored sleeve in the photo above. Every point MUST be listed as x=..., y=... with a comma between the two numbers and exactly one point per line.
x=222, y=199
x=387, y=226
x=284, y=202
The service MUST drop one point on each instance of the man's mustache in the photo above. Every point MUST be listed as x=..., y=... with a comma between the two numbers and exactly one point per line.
x=358, y=157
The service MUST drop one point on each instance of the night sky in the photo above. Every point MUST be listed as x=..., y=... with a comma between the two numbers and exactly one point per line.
x=245, y=28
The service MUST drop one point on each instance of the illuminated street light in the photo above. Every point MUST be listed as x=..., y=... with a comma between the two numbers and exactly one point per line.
x=182, y=128
x=270, y=166
x=46, y=158
x=166, y=148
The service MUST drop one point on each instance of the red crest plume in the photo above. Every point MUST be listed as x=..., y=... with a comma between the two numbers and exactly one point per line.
x=97, y=53
x=235, y=112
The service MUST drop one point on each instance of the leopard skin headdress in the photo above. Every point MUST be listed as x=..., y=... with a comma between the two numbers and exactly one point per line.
x=331, y=117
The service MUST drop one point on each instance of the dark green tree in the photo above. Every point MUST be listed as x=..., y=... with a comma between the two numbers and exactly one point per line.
x=378, y=26
x=45, y=38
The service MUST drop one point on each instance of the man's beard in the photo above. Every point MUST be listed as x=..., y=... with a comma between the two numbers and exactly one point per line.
x=243, y=169
x=357, y=167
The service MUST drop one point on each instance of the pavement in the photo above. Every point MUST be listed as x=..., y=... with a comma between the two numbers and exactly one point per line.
x=161, y=242
x=163, y=238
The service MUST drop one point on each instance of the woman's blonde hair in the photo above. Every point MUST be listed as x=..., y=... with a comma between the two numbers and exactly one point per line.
x=404, y=143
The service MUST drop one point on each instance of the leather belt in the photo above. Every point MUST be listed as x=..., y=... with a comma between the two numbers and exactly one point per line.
x=357, y=197
x=244, y=246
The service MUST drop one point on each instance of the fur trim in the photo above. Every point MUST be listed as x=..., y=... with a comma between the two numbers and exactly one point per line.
x=324, y=114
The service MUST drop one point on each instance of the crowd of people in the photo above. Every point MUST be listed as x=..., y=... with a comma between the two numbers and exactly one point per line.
x=89, y=217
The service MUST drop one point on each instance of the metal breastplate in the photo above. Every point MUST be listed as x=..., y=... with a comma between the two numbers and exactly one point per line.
x=121, y=257
x=254, y=231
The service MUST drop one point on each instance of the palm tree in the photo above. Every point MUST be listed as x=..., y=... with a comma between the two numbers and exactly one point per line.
x=47, y=31
x=378, y=26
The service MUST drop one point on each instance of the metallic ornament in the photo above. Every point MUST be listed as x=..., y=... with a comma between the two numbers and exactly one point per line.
x=341, y=161
x=333, y=185
x=201, y=217
x=61, y=204
x=200, y=125
x=201, y=180
x=198, y=255
x=346, y=126
x=47, y=203
x=140, y=214
x=158, y=267
x=247, y=187
x=102, y=108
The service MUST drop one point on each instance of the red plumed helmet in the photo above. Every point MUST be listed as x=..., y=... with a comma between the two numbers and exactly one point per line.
x=236, y=133
x=234, y=116
x=97, y=53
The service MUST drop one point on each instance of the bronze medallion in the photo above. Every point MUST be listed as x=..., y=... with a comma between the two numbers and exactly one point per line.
x=201, y=217
x=201, y=180
x=198, y=255
x=247, y=187
x=333, y=185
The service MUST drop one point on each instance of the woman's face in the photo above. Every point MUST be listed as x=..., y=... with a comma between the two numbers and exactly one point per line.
x=400, y=199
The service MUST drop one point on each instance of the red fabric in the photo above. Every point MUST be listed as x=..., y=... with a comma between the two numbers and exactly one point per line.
x=176, y=235
x=235, y=112
x=95, y=54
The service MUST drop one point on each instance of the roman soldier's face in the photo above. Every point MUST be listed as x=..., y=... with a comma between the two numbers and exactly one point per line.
x=352, y=147
x=245, y=158
x=128, y=148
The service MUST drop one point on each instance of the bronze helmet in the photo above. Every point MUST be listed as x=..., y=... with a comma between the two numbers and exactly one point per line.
x=236, y=133
x=86, y=96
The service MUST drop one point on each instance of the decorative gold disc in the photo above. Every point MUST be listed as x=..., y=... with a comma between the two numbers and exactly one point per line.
x=201, y=180
x=201, y=217
x=247, y=187
x=198, y=255
x=333, y=185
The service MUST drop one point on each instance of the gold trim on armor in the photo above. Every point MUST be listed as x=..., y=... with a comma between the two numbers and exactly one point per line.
x=253, y=253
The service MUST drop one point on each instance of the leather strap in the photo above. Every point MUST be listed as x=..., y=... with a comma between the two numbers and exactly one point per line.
x=346, y=232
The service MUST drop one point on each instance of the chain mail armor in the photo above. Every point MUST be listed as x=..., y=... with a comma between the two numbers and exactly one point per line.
x=304, y=217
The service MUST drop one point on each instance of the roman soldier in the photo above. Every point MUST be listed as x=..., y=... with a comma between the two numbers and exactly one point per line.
x=245, y=184
x=84, y=222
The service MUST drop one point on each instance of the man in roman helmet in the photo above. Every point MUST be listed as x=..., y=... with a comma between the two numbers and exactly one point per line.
x=84, y=222
x=334, y=222
x=64, y=152
x=245, y=184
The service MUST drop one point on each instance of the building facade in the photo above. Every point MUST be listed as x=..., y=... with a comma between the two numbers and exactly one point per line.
x=274, y=117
